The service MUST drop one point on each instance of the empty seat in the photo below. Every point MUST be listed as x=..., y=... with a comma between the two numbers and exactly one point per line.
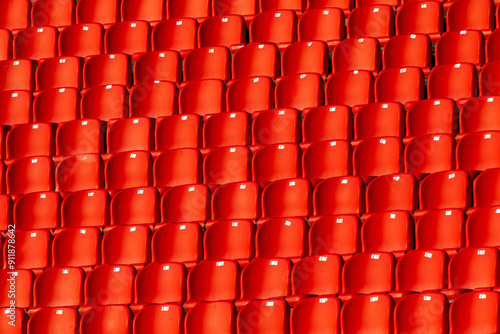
x=80, y=136
x=357, y=54
x=324, y=24
x=479, y=114
x=276, y=162
x=38, y=210
x=466, y=46
x=345, y=5
x=247, y=8
x=29, y=140
x=177, y=204
x=202, y=97
x=85, y=208
x=208, y=63
x=444, y=190
x=299, y=91
x=158, y=99
x=58, y=72
x=305, y=57
x=275, y=126
x=109, y=319
x=296, y=5
x=155, y=66
x=177, y=167
x=351, y=88
x=228, y=31
x=135, y=206
x=23, y=279
x=32, y=250
x=239, y=200
x=106, y=69
x=159, y=318
x=250, y=94
x=150, y=10
x=480, y=220
x=423, y=17
x=36, y=43
x=485, y=188
x=5, y=44
x=431, y=306
x=467, y=14
x=264, y=316
x=53, y=320
x=454, y=81
x=227, y=129
x=76, y=247
x=256, y=60
x=211, y=317
x=487, y=78
x=475, y=312
x=104, y=102
x=492, y=50
x=81, y=40
x=159, y=283
x=335, y=235
x=278, y=27
x=29, y=175
x=105, y=278
x=408, y=50
x=316, y=314
x=103, y=12
x=53, y=13
x=383, y=119
x=431, y=116
x=127, y=37
x=327, y=123
x=179, y=34
x=392, y=192
x=198, y=9
x=16, y=74
x=282, y=237
x=326, y=159
x=19, y=326
x=230, y=240
x=16, y=15
x=79, y=172
x=367, y=313
x=360, y=23
x=126, y=245
x=377, y=156
x=440, y=229
x=56, y=105
x=177, y=243
x=476, y=151
x=130, y=134
x=58, y=287
x=401, y=85
x=5, y=211
x=128, y=169
x=226, y=164
x=178, y=131
x=339, y=195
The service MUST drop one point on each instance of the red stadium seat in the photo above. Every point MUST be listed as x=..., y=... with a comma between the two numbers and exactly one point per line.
x=79, y=137
x=203, y=97
x=187, y=203
x=351, y=88
x=177, y=243
x=79, y=172
x=256, y=60
x=264, y=316
x=226, y=165
x=57, y=13
x=422, y=17
x=324, y=24
x=335, y=235
x=76, y=247
x=492, y=50
x=56, y=105
x=178, y=34
x=178, y=131
x=466, y=46
x=208, y=63
x=408, y=50
x=128, y=37
x=198, y=9
x=157, y=66
x=104, y=102
x=154, y=318
x=212, y=317
x=401, y=85
x=130, y=134
x=19, y=326
x=29, y=175
x=357, y=54
x=246, y=8
x=276, y=162
x=128, y=169
x=36, y=43
x=29, y=140
x=485, y=188
x=104, y=12
x=475, y=312
x=5, y=44
x=105, y=278
x=480, y=220
x=455, y=81
x=367, y=313
x=316, y=314
x=361, y=23
x=488, y=78
x=38, y=210
x=58, y=73
x=377, y=156
x=383, y=119
x=281, y=237
x=32, y=250
x=239, y=200
x=16, y=15
x=305, y=57
x=432, y=306
x=16, y=75
x=227, y=129
x=6, y=208
x=110, y=319
x=299, y=91
x=177, y=167
x=106, y=69
x=327, y=123
x=345, y=5
x=159, y=283
x=133, y=206
x=158, y=99
x=422, y=270
x=278, y=27
x=295, y=5
x=250, y=94
x=230, y=240
x=339, y=195
x=476, y=151
x=24, y=285
x=126, y=244
x=59, y=287
x=276, y=126
x=479, y=114
x=53, y=320
x=467, y=14
x=150, y=10
x=81, y=40
x=326, y=159
x=392, y=192
x=85, y=208
x=445, y=190
x=228, y=31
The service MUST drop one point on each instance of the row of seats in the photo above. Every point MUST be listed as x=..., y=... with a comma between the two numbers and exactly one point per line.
x=470, y=312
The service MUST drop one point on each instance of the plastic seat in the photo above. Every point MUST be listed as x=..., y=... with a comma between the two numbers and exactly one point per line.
x=29, y=175
x=264, y=316
x=76, y=247
x=480, y=220
x=479, y=114
x=230, y=240
x=444, y=190
x=6, y=208
x=485, y=188
x=227, y=129
x=327, y=123
x=112, y=319
x=24, y=283
x=432, y=306
x=377, y=156
x=5, y=44
x=466, y=46
x=422, y=270
x=103, y=12
x=454, y=81
x=492, y=50
x=256, y=60
x=177, y=204
x=178, y=131
x=198, y=9
x=56, y=105
x=357, y=54
x=105, y=277
x=55, y=13
x=316, y=314
x=104, y=102
x=351, y=88
x=364, y=3
x=36, y=43
x=383, y=119
x=326, y=159
x=440, y=229
x=339, y=195
x=134, y=206
x=431, y=116
x=53, y=320
x=276, y=162
x=212, y=62
x=401, y=85
x=16, y=74
x=177, y=243
x=37, y=211
x=408, y=50
x=275, y=126
x=278, y=27
x=210, y=317
x=305, y=57
x=228, y=31
x=79, y=137
x=158, y=318
x=335, y=235
x=227, y=164
x=177, y=167
x=475, y=151
x=360, y=23
x=467, y=14
x=265, y=278
x=128, y=169
x=157, y=66
x=202, y=97
x=299, y=91
x=151, y=10
x=296, y=5
x=79, y=172
x=282, y=237
x=179, y=34
x=287, y=198
x=127, y=37
x=130, y=134
x=247, y=8
x=19, y=326
x=32, y=251
x=16, y=15
x=157, y=99
x=85, y=208
x=367, y=313
x=388, y=232
x=29, y=140
x=487, y=78
x=239, y=200
x=58, y=73
x=106, y=69
x=345, y=5
x=128, y=244
x=323, y=24
x=423, y=17
x=475, y=312
x=159, y=283
x=392, y=192
x=250, y=94
x=58, y=287
x=81, y=40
